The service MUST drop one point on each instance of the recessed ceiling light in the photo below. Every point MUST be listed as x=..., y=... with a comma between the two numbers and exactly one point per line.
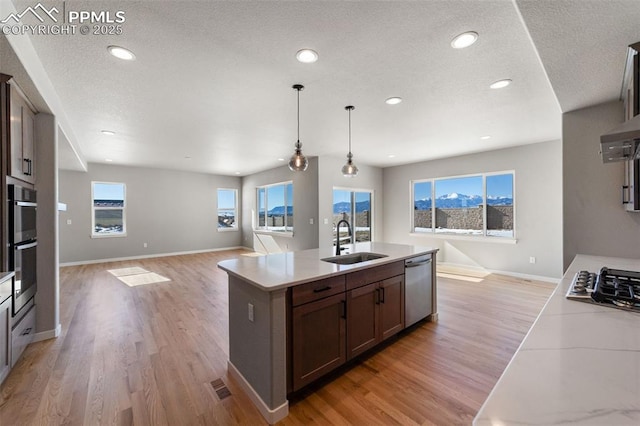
x=108, y=160
x=394, y=100
x=307, y=56
x=464, y=40
x=280, y=159
x=500, y=84
x=484, y=138
x=391, y=156
x=108, y=132
x=237, y=173
x=121, y=53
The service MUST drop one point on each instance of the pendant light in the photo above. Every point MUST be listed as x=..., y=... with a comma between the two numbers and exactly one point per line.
x=349, y=169
x=298, y=162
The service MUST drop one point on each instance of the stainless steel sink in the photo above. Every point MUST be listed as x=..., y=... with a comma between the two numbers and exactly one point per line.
x=350, y=259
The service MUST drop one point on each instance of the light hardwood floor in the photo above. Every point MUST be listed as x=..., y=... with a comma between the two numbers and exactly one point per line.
x=148, y=355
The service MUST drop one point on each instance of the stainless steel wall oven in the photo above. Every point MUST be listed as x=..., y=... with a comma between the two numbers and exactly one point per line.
x=23, y=244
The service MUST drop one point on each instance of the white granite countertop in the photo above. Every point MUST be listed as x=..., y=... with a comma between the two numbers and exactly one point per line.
x=282, y=270
x=579, y=363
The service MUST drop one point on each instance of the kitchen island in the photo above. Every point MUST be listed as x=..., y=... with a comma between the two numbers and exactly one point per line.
x=259, y=310
x=579, y=363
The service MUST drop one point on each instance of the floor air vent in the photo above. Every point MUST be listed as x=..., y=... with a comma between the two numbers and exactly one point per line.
x=221, y=389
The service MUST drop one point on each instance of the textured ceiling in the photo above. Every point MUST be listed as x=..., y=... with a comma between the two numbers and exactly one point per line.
x=212, y=80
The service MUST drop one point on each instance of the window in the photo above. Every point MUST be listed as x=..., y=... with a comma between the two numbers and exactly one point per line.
x=355, y=208
x=227, y=209
x=108, y=209
x=275, y=207
x=467, y=205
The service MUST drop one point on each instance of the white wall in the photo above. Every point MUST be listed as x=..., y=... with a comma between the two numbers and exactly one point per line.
x=330, y=176
x=171, y=211
x=538, y=198
x=595, y=221
x=305, y=205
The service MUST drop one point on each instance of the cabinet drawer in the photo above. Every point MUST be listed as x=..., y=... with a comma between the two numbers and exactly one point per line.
x=372, y=275
x=316, y=290
x=22, y=335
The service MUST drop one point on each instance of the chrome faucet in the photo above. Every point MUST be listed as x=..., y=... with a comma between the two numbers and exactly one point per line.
x=338, y=234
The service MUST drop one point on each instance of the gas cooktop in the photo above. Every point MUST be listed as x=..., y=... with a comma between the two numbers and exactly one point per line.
x=610, y=287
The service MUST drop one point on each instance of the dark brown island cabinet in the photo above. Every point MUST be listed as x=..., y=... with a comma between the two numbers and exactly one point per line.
x=336, y=319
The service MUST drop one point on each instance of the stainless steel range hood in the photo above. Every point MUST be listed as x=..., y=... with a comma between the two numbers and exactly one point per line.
x=621, y=143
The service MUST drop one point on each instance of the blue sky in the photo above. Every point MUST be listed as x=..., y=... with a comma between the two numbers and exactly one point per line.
x=108, y=191
x=497, y=185
x=226, y=199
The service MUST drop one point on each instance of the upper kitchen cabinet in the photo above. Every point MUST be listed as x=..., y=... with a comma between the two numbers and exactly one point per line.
x=21, y=138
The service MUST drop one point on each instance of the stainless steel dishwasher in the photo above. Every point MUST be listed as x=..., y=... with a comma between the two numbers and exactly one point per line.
x=417, y=290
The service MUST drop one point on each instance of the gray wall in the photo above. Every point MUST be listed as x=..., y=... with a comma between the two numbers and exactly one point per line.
x=538, y=198
x=172, y=211
x=305, y=202
x=595, y=221
x=330, y=176
x=47, y=296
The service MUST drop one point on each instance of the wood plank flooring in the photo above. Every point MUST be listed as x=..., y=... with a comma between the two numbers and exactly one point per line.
x=148, y=355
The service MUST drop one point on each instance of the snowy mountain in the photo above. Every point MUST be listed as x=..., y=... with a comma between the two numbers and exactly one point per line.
x=345, y=207
x=456, y=200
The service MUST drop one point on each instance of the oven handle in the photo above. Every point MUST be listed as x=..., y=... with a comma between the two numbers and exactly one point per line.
x=26, y=204
x=26, y=246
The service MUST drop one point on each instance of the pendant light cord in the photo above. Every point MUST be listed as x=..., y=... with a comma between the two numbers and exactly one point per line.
x=349, y=130
x=298, y=115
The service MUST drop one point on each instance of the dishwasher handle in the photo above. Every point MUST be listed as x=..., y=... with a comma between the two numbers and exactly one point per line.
x=410, y=264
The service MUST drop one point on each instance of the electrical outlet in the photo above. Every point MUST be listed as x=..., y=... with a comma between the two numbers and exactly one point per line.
x=326, y=221
x=68, y=221
x=144, y=245
x=250, y=312
x=311, y=221
x=532, y=259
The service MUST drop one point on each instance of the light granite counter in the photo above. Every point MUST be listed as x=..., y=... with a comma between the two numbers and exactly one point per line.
x=579, y=363
x=282, y=270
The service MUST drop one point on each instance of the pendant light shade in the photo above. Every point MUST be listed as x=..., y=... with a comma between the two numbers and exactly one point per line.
x=349, y=169
x=298, y=162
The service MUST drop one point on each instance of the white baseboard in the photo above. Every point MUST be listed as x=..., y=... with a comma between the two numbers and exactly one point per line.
x=148, y=256
x=472, y=269
x=49, y=334
x=271, y=415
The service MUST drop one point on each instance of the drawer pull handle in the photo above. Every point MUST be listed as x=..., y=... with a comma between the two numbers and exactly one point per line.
x=27, y=331
x=321, y=289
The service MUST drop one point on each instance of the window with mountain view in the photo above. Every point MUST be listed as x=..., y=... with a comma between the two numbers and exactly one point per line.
x=355, y=208
x=466, y=205
x=227, y=209
x=108, y=209
x=275, y=207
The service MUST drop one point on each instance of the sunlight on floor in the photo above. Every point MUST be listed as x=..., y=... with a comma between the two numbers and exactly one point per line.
x=137, y=276
x=461, y=277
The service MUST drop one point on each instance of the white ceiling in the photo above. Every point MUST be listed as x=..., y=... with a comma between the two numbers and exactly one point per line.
x=212, y=80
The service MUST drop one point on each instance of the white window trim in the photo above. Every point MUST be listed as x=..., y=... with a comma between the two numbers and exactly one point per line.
x=453, y=236
x=123, y=208
x=256, y=227
x=236, y=226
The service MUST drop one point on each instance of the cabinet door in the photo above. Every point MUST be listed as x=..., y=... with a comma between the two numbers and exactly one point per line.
x=391, y=306
x=28, y=146
x=362, y=319
x=21, y=143
x=5, y=335
x=318, y=340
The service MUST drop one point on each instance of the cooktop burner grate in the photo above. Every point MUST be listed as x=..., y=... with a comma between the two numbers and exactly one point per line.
x=611, y=287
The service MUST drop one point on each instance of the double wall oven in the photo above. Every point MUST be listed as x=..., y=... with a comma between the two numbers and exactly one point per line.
x=23, y=244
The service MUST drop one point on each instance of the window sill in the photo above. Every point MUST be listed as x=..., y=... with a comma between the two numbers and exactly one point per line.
x=98, y=236
x=476, y=238
x=273, y=233
x=228, y=229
